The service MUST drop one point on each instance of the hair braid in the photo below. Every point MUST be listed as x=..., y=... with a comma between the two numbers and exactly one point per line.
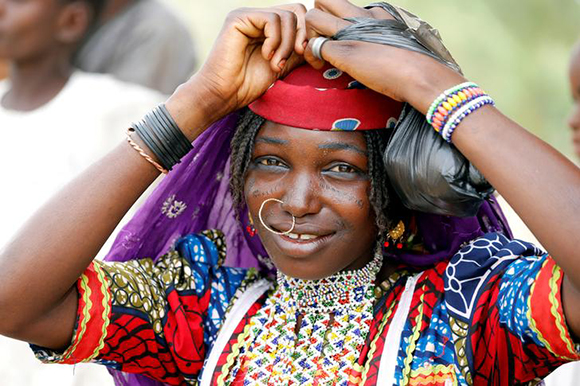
x=242, y=148
x=379, y=197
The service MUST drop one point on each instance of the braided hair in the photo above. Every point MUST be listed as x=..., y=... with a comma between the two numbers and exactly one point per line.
x=383, y=203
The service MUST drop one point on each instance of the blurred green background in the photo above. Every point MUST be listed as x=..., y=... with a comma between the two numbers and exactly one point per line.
x=518, y=51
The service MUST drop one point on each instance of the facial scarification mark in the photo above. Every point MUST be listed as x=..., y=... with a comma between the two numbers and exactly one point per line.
x=259, y=193
x=348, y=196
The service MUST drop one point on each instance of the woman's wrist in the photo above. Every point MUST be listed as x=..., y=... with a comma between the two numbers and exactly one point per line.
x=194, y=107
x=426, y=86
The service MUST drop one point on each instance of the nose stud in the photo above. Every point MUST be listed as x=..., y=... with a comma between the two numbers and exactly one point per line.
x=266, y=226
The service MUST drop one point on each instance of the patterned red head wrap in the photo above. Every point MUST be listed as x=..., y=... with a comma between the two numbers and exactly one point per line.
x=326, y=99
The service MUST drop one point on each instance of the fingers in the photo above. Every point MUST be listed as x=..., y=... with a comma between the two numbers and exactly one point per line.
x=300, y=11
x=287, y=41
x=275, y=29
x=270, y=24
x=320, y=23
x=310, y=58
x=341, y=8
x=344, y=9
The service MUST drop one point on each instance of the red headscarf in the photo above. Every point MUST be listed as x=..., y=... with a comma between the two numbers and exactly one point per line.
x=341, y=103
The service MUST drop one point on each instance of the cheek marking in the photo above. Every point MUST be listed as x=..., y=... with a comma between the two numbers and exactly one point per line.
x=256, y=193
x=348, y=196
x=346, y=226
x=251, y=182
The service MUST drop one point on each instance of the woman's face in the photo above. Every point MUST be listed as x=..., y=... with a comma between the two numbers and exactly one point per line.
x=574, y=118
x=322, y=180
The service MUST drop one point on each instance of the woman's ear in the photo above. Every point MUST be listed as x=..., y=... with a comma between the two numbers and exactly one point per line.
x=73, y=22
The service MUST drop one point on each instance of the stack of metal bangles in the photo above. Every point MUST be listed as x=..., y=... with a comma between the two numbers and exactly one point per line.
x=162, y=136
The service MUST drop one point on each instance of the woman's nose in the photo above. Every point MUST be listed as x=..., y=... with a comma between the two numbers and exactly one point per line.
x=303, y=197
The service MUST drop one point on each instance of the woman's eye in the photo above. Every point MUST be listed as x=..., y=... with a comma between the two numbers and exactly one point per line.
x=343, y=169
x=269, y=162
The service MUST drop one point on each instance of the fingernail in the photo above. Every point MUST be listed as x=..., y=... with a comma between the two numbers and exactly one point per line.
x=305, y=43
x=282, y=63
x=271, y=55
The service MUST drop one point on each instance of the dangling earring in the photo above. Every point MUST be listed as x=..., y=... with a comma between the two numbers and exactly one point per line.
x=394, y=236
x=250, y=227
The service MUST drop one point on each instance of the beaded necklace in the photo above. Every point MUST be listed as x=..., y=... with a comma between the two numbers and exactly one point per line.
x=335, y=314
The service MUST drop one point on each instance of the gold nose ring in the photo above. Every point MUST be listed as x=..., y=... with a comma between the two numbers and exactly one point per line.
x=266, y=226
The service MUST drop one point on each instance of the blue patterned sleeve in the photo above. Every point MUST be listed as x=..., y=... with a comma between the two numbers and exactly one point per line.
x=505, y=297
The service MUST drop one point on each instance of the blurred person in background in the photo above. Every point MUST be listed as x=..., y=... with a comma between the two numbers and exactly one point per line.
x=3, y=69
x=140, y=41
x=574, y=118
x=46, y=107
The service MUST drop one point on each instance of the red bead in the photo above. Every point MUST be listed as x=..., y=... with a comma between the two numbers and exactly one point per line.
x=386, y=244
x=399, y=246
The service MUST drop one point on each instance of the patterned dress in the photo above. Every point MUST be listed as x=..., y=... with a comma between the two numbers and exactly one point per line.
x=491, y=315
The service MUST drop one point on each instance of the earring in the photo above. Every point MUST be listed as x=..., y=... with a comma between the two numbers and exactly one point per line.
x=250, y=227
x=395, y=235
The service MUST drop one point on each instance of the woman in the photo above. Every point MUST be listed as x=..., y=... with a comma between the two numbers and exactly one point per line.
x=498, y=312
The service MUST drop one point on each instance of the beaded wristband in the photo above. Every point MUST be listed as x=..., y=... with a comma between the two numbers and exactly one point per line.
x=142, y=152
x=159, y=131
x=444, y=95
x=452, y=104
x=462, y=113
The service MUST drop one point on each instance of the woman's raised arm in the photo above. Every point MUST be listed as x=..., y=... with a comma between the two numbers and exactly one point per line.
x=39, y=267
x=540, y=184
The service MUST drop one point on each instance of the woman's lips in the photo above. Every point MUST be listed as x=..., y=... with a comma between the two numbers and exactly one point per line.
x=302, y=242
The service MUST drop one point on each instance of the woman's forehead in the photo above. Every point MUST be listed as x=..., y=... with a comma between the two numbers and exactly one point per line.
x=272, y=132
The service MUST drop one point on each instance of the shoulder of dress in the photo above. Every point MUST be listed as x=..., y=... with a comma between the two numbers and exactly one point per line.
x=207, y=247
x=491, y=251
x=476, y=264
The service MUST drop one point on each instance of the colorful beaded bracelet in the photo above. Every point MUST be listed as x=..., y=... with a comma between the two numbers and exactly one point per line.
x=463, y=112
x=444, y=95
x=452, y=104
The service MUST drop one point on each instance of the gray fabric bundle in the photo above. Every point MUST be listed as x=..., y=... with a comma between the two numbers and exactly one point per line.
x=429, y=174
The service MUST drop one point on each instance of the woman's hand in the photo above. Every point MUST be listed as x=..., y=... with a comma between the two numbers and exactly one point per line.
x=253, y=49
x=538, y=182
x=400, y=74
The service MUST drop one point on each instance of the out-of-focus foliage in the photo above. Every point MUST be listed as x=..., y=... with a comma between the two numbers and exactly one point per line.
x=517, y=50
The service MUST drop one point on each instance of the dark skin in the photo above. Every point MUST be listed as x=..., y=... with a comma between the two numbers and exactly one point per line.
x=322, y=179
x=574, y=118
x=3, y=69
x=253, y=49
x=37, y=38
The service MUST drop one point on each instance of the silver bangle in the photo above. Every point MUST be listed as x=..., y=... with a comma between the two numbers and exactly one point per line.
x=317, y=46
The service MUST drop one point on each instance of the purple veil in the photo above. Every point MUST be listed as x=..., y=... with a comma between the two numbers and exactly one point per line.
x=195, y=197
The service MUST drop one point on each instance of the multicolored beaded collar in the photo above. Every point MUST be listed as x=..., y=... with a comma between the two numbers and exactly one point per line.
x=309, y=331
